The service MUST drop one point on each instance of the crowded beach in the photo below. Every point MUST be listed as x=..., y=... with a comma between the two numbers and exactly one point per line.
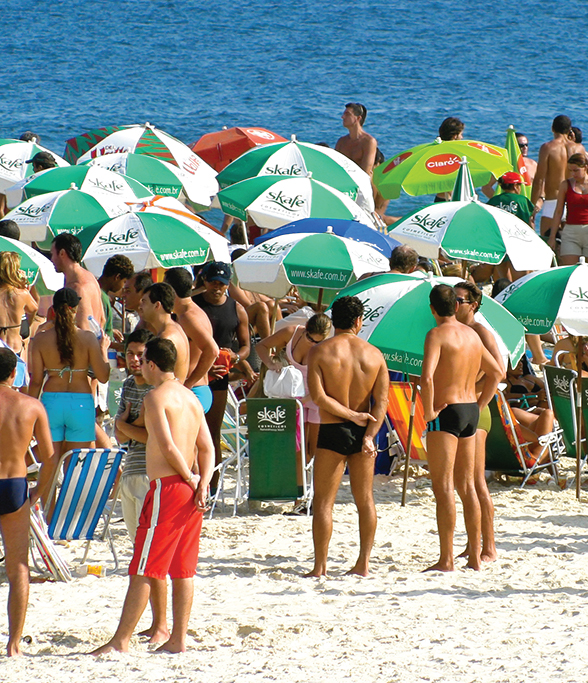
x=394, y=360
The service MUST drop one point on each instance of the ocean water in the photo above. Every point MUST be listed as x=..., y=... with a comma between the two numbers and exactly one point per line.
x=191, y=67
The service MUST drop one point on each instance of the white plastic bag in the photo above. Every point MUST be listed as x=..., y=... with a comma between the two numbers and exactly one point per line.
x=288, y=383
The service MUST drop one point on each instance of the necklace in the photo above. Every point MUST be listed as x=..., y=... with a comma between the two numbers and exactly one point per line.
x=4, y=384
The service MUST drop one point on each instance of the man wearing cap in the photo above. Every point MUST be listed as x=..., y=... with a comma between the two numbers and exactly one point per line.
x=42, y=161
x=511, y=199
x=230, y=329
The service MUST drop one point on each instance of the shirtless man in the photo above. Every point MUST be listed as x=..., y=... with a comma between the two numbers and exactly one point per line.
x=180, y=459
x=196, y=324
x=155, y=308
x=357, y=145
x=469, y=298
x=551, y=170
x=453, y=357
x=530, y=164
x=21, y=417
x=344, y=374
x=66, y=255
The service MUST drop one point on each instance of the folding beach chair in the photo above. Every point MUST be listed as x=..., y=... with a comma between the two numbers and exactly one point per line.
x=273, y=424
x=234, y=443
x=508, y=452
x=83, y=499
x=399, y=405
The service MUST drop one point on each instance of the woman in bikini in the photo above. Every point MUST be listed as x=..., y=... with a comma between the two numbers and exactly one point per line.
x=297, y=341
x=66, y=353
x=16, y=301
x=573, y=194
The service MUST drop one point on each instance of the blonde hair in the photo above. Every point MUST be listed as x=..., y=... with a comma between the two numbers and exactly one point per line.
x=10, y=270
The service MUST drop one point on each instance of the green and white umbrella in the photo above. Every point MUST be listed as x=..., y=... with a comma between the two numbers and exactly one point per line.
x=294, y=159
x=13, y=157
x=472, y=231
x=47, y=215
x=93, y=180
x=557, y=295
x=37, y=268
x=159, y=176
x=198, y=178
x=312, y=262
x=150, y=240
x=272, y=201
x=397, y=318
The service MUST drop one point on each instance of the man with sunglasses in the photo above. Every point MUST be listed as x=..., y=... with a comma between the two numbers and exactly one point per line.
x=469, y=299
x=530, y=164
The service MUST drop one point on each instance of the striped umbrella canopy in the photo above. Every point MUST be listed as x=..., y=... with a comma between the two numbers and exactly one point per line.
x=14, y=155
x=36, y=267
x=397, y=318
x=47, y=215
x=198, y=178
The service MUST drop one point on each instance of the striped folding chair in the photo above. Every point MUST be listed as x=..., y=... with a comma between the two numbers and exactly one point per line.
x=85, y=497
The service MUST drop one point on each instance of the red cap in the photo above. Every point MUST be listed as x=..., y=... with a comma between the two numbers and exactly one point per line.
x=512, y=178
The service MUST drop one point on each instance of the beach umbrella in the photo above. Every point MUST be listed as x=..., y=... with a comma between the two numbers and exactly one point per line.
x=93, y=180
x=47, y=215
x=397, y=318
x=518, y=163
x=344, y=228
x=557, y=295
x=432, y=167
x=160, y=177
x=80, y=144
x=168, y=206
x=149, y=240
x=312, y=262
x=472, y=231
x=273, y=201
x=294, y=159
x=36, y=267
x=222, y=147
x=14, y=155
x=198, y=178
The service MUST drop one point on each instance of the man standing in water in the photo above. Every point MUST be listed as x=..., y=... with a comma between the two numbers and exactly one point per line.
x=344, y=374
x=21, y=417
x=180, y=459
x=357, y=145
x=453, y=358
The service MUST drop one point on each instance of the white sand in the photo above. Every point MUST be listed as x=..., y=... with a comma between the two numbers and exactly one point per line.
x=523, y=618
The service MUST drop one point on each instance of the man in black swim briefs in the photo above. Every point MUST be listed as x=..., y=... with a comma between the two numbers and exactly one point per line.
x=454, y=355
x=21, y=417
x=346, y=376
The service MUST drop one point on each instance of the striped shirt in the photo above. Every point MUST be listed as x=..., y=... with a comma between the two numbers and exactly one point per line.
x=133, y=394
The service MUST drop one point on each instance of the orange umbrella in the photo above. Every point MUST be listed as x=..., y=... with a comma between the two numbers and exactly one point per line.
x=220, y=148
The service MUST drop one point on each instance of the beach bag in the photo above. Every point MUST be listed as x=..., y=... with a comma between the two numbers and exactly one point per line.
x=288, y=383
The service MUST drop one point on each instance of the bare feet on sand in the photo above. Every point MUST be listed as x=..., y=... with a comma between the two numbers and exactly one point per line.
x=110, y=646
x=172, y=647
x=155, y=635
x=486, y=556
x=360, y=569
x=439, y=567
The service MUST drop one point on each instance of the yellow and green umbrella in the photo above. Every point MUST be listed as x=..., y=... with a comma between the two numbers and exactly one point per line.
x=433, y=167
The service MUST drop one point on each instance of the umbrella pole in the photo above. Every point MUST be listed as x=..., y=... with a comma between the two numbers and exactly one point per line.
x=409, y=443
x=319, y=302
x=464, y=269
x=579, y=416
x=274, y=316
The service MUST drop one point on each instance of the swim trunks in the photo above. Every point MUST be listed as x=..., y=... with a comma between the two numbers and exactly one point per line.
x=458, y=419
x=345, y=438
x=485, y=421
x=71, y=415
x=548, y=209
x=204, y=394
x=13, y=494
x=168, y=536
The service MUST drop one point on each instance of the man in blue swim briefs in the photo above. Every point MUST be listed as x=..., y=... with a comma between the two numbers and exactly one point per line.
x=21, y=417
x=198, y=328
x=348, y=380
x=454, y=355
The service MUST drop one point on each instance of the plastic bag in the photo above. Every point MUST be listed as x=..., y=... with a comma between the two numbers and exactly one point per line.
x=288, y=383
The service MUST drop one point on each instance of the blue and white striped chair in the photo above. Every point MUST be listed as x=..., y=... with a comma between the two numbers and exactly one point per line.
x=83, y=499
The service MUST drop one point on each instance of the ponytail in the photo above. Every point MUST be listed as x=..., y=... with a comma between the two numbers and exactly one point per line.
x=65, y=329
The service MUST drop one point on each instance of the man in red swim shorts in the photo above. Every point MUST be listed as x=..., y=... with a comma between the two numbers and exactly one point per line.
x=171, y=519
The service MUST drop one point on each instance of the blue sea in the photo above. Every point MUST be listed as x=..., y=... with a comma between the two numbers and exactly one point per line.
x=191, y=67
